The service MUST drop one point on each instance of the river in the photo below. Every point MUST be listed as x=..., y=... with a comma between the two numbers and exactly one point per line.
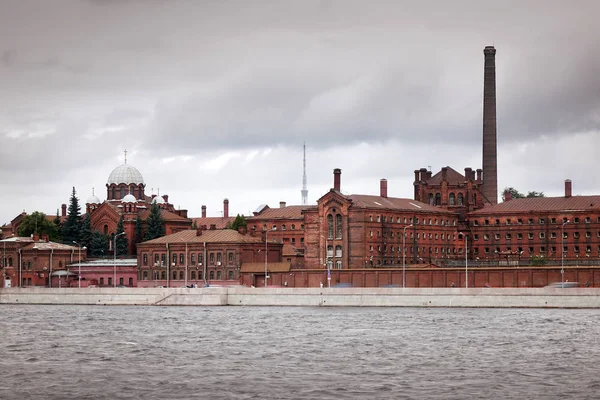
x=96, y=352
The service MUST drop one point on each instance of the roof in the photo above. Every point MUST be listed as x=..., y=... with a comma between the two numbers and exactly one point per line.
x=120, y=262
x=288, y=212
x=452, y=177
x=394, y=203
x=165, y=214
x=219, y=222
x=208, y=236
x=290, y=250
x=536, y=204
x=127, y=174
x=260, y=267
x=49, y=246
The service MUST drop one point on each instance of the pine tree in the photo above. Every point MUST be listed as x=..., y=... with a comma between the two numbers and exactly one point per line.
x=86, y=235
x=138, y=229
x=122, y=239
x=99, y=245
x=71, y=229
x=194, y=225
x=154, y=223
x=239, y=220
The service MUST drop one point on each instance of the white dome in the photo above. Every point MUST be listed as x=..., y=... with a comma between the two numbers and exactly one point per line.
x=158, y=200
x=127, y=174
x=93, y=199
x=129, y=199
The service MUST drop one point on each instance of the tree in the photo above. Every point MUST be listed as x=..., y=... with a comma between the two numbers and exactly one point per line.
x=99, y=245
x=239, y=221
x=515, y=194
x=37, y=223
x=121, y=243
x=86, y=232
x=154, y=223
x=72, y=227
x=194, y=225
x=57, y=220
x=138, y=229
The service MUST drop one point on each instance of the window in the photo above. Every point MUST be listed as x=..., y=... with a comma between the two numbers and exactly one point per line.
x=330, y=226
x=293, y=227
x=486, y=222
x=553, y=220
x=145, y=259
x=230, y=256
x=451, y=199
x=338, y=251
x=200, y=258
x=163, y=275
x=486, y=236
x=576, y=235
x=438, y=199
x=475, y=236
x=588, y=234
x=163, y=259
x=379, y=218
x=587, y=220
x=193, y=258
x=530, y=235
x=156, y=259
x=565, y=235
x=212, y=275
x=576, y=220
x=182, y=259
x=530, y=221
x=431, y=201
x=101, y=281
x=283, y=228
x=174, y=258
x=542, y=235
x=109, y=281
x=520, y=221
x=193, y=275
x=174, y=274
x=338, y=264
x=475, y=223
x=588, y=249
x=460, y=199
x=145, y=276
x=508, y=236
x=497, y=236
x=211, y=257
x=338, y=226
x=219, y=275
x=542, y=221
x=552, y=235
x=218, y=257
x=576, y=249
x=497, y=222
x=230, y=275
x=519, y=236
x=181, y=277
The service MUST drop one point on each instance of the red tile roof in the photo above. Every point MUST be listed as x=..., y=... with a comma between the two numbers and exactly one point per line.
x=288, y=212
x=452, y=177
x=208, y=236
x=219, y=222
x=393, y=203
x=536, y=204
x=166, y=216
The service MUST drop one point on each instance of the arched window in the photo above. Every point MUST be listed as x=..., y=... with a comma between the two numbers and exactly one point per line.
x=330, y=226
x=193, y=258
x=193, y=274
x=200, y=258
x=338, y=226
x=212, y=274
x=131, y=282
x=145, y=259
x=431, y=200
x=283, y=228
x=145, y=275
x=438, y=199
x=174, y=275
x=329, y=251
x=163, y=275
x=122, y=192
x=460, y=199
x=155, y=275
x=10, y=262
x=174, y=258
x=338, y=251
x=219, y=275
x=182, y=259
x=452, y=199
x=106, y=229
x=114, y=193
x=293, y=227
x=181, y=277
x=230, y=275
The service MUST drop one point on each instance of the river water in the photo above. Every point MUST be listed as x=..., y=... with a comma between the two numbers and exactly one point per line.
x=95, y=352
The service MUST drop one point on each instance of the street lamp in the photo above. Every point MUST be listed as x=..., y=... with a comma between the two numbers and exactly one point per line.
x=404, y=256
x=466, y=262
x=79, y=264
x=115, y=258
x=267, y=251
x=562, y=254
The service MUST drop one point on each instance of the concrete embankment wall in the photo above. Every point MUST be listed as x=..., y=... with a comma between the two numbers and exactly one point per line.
x=338, y=297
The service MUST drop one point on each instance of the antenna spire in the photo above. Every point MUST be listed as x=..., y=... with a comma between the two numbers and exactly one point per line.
x=125, y=156
x=304, y=190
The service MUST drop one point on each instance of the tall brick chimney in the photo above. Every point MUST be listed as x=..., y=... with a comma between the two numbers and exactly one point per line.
x=337, y=177
x=63, y=210
x=203, y=211
x=383, y=188
x=490, y=156
x=226, y=208
x=282, y=204
x=568, y=188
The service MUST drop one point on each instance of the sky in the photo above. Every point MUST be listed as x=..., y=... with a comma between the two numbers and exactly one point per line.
x=214, y=99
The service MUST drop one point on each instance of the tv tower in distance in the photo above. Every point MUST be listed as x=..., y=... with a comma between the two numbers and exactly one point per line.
x=304, y=190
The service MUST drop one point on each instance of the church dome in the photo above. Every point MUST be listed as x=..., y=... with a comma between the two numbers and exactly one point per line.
x=93, y=199
x=129, y=199
x=158, y=200
x=126, y=174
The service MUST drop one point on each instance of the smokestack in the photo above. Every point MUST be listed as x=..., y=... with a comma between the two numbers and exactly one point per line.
x=203, y=211
x=282, y=204
x=383, y=188
x=64, y=210
x=337, y=176
x=490, y=157
x=568, y=188
x=226, y=208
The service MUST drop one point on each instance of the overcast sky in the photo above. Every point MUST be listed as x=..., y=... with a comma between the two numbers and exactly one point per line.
x=213, y=99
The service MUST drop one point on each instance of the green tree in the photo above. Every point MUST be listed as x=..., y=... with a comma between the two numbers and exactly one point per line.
x=154, y=223
x=37, y=223
x=57, y=220
x=138, y=229
x=239, y=221
x=515, y=194
x=71, y=229
x=194, y=225
x=86, y=233
x=121, y=243
x=99, y=245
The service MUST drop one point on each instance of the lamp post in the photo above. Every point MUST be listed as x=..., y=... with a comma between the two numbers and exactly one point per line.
x=115, y=258
x=466, y=262
x=404, y=256
x=267, y=252
x=562, y=254
x=79, y=264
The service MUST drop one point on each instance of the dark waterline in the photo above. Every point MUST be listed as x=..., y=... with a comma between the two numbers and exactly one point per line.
x=91, y=352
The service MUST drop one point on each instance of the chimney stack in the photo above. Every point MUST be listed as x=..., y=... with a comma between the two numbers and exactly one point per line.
x=444, y=173
x=226, y=208
x=282, y=204
x=203, y=211
x=337, y=176
x=568, y=189
x=383, y=188
x=490, y=157
x=64, y=210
